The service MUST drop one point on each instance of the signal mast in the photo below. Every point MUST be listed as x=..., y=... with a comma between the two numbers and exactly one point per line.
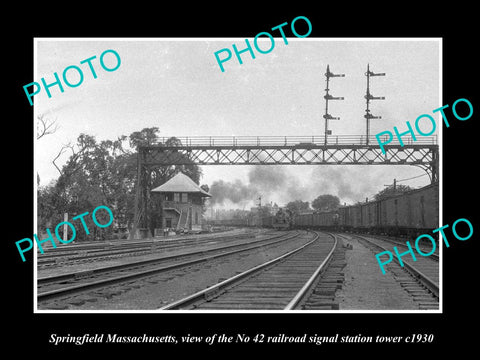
x=369, y=97
x=327, y=97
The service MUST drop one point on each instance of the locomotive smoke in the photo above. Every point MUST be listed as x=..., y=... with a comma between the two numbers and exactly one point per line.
x=235, y=192
x=350, y=184
x=332, y=181
x=263, y=180
x=281, y=185
x=268, y=178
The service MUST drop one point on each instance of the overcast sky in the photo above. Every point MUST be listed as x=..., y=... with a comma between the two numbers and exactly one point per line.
x=177, y=86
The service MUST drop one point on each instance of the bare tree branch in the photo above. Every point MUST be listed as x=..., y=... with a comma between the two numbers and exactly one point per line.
x=45, y=126
x=73, y=158
x=62, y=150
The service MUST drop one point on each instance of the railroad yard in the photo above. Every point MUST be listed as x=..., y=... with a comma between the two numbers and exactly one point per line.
x=236, y=269
x=265, y=185
x=172, y=243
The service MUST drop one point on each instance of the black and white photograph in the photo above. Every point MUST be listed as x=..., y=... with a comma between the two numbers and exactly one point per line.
x=260, y=187
x=272, y=182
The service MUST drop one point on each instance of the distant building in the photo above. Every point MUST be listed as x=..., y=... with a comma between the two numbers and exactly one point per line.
x=182, y=203
x=267, y=209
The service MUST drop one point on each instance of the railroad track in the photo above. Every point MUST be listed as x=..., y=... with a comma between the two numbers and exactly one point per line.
x=94, y=252
x=322, y=295
x=420, y=278
x=425, y=246
x=285, y=282
x=61, y=286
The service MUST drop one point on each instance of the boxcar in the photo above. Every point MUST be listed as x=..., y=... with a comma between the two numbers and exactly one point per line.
x=423, y=209
x=368, y=215
x=413, y=212
x=325, y=219
x=303, y=220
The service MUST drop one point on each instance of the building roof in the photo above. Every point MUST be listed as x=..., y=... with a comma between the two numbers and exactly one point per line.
x=181, y=183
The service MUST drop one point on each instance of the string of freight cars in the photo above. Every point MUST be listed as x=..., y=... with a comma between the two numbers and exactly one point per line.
x=423, y=236
x=440, y=229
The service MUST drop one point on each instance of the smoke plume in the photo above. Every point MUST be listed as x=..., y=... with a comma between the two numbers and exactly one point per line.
x=282, y=184
x=235, y=192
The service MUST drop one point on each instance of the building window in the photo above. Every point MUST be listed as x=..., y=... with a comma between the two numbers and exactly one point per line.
x=176, y=197
x=184, y=197
x=168, y=222
x=196, y=218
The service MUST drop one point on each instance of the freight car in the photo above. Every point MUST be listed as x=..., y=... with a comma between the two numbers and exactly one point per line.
x=411, y=213
x=325, y=220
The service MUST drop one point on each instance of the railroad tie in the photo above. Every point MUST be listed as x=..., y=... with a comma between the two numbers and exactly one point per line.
x=325, y=290
x=320, y=306
x=428, y=306
x=332, y=279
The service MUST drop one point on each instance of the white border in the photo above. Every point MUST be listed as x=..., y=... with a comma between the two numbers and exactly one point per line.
x=284, y=312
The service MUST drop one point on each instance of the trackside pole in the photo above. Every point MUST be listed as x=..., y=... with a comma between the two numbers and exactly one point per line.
x=65, y=227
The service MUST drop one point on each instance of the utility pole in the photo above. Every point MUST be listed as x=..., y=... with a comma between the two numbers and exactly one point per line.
x=394, y=186
x=327, y=97
x=369, y=97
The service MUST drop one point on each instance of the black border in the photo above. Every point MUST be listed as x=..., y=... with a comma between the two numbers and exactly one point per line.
x=452, y=330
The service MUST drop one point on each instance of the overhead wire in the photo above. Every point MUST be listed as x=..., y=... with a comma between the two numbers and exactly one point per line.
x=415, y=177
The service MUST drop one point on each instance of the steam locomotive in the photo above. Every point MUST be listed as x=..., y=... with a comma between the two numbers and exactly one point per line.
x=282, y=220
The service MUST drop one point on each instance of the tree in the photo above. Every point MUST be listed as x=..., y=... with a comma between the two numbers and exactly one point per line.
x=205, y=187
x=298, y=206
x=104, y=173
x=45, y=126
x=145, y=137
x=96, y=173
x=326, y=203
x=390, y=191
